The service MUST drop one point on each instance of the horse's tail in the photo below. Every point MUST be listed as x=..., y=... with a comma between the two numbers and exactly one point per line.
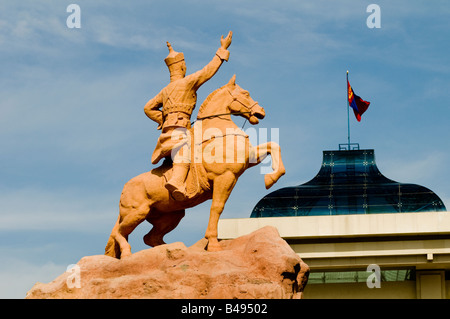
x=112, y=246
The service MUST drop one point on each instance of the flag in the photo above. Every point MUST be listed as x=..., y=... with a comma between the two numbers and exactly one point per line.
x=358, y=105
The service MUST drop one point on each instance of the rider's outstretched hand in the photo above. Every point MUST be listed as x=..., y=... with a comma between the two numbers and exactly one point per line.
x=225, y=43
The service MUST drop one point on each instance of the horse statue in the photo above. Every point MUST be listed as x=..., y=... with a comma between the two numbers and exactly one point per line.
x=212, y=175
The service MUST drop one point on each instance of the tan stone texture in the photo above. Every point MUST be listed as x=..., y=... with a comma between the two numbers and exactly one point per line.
x=257, y=265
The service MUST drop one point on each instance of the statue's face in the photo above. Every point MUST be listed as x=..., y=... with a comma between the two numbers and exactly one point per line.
x=178, y=70
x=183, y=68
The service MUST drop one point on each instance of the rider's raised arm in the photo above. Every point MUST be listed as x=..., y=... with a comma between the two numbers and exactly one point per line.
x=152, y=109
x=213, y=66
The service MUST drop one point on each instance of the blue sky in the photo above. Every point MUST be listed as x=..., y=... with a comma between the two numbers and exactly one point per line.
x=73, y=129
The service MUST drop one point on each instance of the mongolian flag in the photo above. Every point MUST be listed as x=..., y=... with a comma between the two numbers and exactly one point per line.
x=358, y=105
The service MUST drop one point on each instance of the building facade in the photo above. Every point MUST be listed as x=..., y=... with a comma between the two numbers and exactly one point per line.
x=362, y=234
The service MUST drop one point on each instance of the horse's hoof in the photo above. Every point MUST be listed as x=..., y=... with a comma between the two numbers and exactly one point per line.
x=214, y=247
x=269, y=180
x=153, y=241
x=125, y=254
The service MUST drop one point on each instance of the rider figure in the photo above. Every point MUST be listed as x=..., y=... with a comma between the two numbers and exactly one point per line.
x=172, y=108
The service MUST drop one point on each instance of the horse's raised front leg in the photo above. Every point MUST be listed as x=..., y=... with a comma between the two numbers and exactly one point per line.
x=260, y=152
x=223, y=185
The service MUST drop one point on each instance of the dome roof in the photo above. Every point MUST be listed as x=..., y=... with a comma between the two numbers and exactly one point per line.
x=348, y=182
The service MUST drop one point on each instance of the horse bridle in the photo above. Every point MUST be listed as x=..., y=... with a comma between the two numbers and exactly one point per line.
x=237, y=99
x=231, y=113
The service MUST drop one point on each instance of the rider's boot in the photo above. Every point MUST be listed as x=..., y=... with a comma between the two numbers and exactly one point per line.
x=176, y=183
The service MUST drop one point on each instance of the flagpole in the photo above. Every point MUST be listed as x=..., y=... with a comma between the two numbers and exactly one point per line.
x=348, y=115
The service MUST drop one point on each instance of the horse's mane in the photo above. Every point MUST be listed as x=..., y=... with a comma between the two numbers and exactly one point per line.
x=207, y=100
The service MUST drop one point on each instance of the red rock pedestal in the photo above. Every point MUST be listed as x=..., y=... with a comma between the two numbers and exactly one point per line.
x=258, y=265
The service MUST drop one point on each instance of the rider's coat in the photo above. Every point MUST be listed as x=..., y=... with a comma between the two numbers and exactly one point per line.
x=172, y=107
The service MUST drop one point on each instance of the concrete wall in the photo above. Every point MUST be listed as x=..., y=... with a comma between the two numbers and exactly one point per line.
x=342, y=225
x=420, y=241
x=388, y=290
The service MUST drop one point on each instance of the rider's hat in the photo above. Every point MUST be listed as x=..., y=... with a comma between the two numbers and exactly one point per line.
x=173, y=56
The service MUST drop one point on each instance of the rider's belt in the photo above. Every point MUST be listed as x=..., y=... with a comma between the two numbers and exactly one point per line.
x=177, y=119
x=180, y=107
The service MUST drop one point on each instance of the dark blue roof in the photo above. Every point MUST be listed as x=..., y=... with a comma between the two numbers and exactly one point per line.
x=348, y=182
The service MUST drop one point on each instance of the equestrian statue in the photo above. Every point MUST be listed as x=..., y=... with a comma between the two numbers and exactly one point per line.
x=202, y=161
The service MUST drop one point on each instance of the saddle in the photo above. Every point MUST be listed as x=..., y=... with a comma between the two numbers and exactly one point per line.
x=196, y=182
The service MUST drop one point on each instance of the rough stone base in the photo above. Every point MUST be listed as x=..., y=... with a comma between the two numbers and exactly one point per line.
x=258, y=265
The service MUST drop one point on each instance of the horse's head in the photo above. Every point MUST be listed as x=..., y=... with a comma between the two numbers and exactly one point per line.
x=243, y=104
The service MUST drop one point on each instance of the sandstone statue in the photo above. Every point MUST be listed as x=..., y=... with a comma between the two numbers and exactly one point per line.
x=201, y=162
x=177, y=101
